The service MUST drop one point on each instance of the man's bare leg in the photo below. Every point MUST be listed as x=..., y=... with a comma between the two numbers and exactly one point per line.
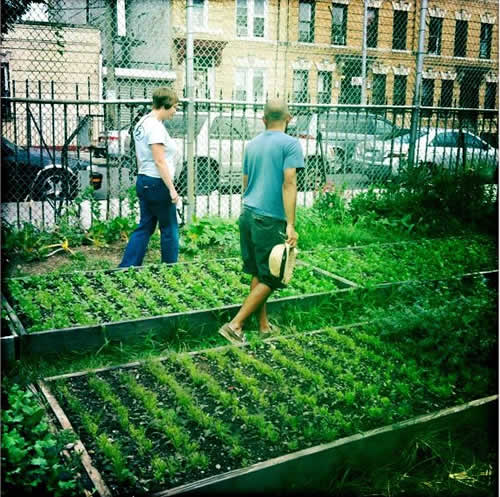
x=259, y=292
x=263, y=319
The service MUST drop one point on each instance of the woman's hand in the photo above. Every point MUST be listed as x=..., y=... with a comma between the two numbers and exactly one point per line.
x=174, y=195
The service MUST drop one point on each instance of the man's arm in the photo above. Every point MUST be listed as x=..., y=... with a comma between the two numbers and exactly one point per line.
x=289, y=203
x=158, y=151
x=245, y=182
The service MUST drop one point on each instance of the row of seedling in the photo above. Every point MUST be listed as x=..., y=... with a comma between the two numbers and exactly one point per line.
x=192, y=416
x=81, y=299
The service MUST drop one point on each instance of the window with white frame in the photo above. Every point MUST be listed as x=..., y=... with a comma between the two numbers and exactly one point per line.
x=200, y=14
x=301, y=86
x=324, y=87
x=339, y=24
x=249, y=84
x=435, y=34
x=485, y=40
x=5, y=90
x=306, y=20
x=372, y=27
x=250, y=16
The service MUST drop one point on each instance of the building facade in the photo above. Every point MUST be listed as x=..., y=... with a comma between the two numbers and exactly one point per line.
x=306, y=50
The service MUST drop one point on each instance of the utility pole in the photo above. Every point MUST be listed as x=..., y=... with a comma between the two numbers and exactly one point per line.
x=415, y=115
x=363, y=52
x=190, y=111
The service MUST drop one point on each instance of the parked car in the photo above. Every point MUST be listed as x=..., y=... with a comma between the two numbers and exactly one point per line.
x=35, y=174
x=342, y=131
x=220, y=140
x=117, y=143
x=434, y=147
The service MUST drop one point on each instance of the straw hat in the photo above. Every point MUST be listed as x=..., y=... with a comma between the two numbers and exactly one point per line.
x=282, y=262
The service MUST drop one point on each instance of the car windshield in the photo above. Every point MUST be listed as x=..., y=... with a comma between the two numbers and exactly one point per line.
x=404, y=136
x=299, y=124
x=177, y=127
x=235, y=128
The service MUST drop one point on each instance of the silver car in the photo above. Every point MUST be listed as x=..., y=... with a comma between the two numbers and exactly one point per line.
x=434, y=147
x=342, y=130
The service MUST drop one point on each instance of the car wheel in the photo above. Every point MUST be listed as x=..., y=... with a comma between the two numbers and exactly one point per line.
x=207, y=176
x=312, y=175
x=55, y=185
x=336, y=165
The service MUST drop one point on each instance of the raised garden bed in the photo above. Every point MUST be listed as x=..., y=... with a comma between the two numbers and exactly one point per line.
x=338, y=307
x=419, y=260
x=88, y=309
x=85, y=299
x=201, y=418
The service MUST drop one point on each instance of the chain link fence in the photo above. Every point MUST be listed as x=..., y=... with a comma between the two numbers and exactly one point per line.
x=77, y=74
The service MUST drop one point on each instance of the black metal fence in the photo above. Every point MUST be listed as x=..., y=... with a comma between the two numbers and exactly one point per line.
x=58, y=154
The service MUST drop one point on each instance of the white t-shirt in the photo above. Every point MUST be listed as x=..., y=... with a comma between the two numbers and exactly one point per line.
x=148, y=131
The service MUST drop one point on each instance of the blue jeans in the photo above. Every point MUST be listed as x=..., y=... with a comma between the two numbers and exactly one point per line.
x=155, y=206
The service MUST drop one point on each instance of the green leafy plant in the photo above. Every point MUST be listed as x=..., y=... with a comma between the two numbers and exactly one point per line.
x=210, y=232
x=32, y=463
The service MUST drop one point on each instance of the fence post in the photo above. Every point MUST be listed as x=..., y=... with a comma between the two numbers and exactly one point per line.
x=190, y=111
x=363, y=53
x=415, y=116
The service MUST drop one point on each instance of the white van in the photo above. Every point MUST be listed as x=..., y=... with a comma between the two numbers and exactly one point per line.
x=220, y=140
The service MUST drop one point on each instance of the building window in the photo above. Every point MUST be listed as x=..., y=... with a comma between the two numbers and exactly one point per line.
x=5, y=93
x=199, y=14
x=378, y=91
x=203, y=76
x=399, y=95
x=446, y=99
x=435, y=32
x=460, y=38
x=349, y=93
x=324, y=87
x=306, y=21
x=399, y=28
x=300, y=86
x=339, y=24
x=490, y=96
x=249, y=84
x=427, y=94
x=372, y=28
x=250, y=16
x=241, y=84
x=485, y=40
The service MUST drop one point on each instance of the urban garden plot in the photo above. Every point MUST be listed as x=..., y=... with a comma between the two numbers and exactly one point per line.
x=191, y=416
x=63, y=301
x=419, y=260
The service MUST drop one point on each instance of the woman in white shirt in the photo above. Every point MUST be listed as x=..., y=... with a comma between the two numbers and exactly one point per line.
x=156, y=158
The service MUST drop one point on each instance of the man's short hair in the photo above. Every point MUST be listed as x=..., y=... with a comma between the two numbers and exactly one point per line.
x=164, y=97
x=276, y=110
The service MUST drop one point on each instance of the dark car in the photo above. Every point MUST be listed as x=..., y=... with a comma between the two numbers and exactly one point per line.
x=36, y=174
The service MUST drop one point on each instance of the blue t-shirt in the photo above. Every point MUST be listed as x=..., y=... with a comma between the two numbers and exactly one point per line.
x=266, y=157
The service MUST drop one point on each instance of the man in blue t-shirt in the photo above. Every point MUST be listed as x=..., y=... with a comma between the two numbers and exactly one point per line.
x=268, y=217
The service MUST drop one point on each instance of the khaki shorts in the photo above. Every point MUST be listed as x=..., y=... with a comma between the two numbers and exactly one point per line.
x=258, y=235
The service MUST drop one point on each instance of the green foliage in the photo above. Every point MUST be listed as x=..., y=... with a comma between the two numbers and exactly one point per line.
x=210, y=232
x=27, y=242
x=330, y=204
x=31, y=459
x=429, y=202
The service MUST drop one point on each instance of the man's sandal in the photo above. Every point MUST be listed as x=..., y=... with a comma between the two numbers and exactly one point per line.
x=233, y=336
x=272, y=330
